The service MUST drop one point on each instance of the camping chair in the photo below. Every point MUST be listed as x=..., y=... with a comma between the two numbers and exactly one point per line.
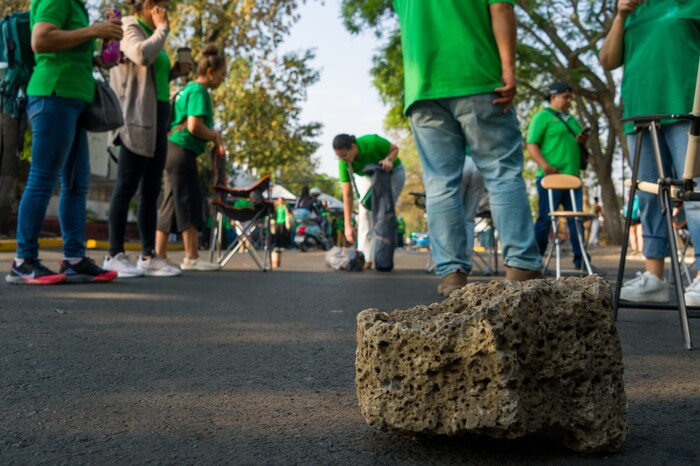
x=570, y=183
x=250, y=214
x=665, y=189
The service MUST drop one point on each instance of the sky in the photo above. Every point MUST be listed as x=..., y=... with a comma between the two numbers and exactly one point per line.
x=344, y=99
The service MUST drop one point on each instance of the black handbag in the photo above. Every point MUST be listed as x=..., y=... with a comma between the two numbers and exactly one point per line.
x=105, y=112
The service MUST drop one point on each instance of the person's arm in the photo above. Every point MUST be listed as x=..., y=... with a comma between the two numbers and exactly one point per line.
x=539, y=159
x=346, y=187
x=612, y=51
x=505, y=32
x=197, y=128
x=48, y=38
x=144, y=50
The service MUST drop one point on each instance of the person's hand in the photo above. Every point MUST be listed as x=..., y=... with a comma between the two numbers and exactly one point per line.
x=582, y=138
x=350, y=234
x=386, y=164
x=627, y=7
x=219, y=147
x=550, y=170
x=108, y=30
x=160, y=16
x=508, y=91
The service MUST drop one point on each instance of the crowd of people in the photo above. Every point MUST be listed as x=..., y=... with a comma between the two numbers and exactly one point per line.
x=459, y=90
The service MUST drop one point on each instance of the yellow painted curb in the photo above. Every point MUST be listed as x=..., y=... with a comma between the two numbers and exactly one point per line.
x=97, y=244
x=10, y=245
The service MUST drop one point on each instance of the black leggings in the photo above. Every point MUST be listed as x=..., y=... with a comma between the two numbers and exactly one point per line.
x=145, y=174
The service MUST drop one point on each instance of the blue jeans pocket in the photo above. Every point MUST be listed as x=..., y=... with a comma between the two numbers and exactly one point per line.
x=35, y=105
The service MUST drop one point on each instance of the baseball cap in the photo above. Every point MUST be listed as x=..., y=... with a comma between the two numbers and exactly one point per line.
x=559, y=87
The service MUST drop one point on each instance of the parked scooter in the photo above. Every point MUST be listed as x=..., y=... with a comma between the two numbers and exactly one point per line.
x=308, y=233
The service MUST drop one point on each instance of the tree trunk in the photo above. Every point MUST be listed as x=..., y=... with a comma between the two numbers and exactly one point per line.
x=9, y=164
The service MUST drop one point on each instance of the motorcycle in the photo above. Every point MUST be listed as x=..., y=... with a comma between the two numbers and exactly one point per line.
x=309, y=234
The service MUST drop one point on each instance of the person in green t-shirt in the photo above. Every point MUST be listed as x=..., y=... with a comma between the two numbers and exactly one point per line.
x=553, y=143
x=658, y=43
x=281, y=222
x=354, y=155
x=59, y=90
x=459, y=87
x=142, y=83
x=191, y=131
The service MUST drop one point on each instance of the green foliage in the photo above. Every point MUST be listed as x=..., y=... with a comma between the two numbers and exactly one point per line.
x=12, y=6
x=258, y=107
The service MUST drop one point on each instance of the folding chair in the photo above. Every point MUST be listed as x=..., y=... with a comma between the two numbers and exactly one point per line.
x=570, y=183
x=665, y=189
x=250, y=213
x=485, y=255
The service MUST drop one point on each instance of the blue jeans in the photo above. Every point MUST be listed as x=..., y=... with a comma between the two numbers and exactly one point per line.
x=673, y=142
x=59, y=152
x=544, y=223
x=443, y=129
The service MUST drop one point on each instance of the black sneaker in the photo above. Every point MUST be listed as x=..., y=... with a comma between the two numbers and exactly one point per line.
x=86, y=271
x=33, y=272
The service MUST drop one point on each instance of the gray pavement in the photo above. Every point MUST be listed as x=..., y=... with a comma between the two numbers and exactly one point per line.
x=245, y=367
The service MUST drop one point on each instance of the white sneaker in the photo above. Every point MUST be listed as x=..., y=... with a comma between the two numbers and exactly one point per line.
x=156, y=266
x=199, y=264
x=647, y=287
x=692, y=293
x=120, y=264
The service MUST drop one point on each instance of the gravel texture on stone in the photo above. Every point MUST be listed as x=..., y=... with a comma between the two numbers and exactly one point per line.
x=503, y=359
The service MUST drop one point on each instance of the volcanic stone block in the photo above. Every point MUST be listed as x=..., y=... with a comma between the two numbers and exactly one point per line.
x=504, y=359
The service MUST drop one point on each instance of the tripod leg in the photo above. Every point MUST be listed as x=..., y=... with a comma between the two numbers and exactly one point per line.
x=675, y=268
x=628, y=222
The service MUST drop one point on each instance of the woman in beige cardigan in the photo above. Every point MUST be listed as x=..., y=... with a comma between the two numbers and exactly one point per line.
x=142, y=83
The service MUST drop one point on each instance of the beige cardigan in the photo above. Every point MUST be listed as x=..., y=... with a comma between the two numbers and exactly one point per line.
x=134, y=83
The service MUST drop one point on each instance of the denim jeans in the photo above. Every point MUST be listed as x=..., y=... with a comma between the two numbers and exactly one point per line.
x=443, y=129
x=59, y=152
x=365, y=225
x=544, y=223
x=673, y=142
x=472, y=190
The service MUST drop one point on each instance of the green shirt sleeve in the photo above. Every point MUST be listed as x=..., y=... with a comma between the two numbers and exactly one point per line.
x=343, y=175
x=55, y=12
x=199, y=104
x=538, y=126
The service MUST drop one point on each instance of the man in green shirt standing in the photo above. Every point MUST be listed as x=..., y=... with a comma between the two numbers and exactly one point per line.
x=553, y=143
x=459, y=86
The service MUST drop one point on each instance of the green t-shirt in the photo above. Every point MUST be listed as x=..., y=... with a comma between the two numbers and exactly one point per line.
x=280, y=214
x=371, y=149
x=192, y=100
x=662, y=48
x=161, y=70
x=448, y=48
x=558, y=146
x=67, y=73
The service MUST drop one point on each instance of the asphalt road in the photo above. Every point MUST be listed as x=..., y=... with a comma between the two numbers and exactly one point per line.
x=245, y=367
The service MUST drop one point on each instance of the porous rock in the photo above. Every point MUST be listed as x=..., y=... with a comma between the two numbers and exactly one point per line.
x=504, y=359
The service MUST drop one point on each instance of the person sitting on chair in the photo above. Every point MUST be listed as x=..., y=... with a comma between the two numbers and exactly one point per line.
x=553, y=143
x=659, y=45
